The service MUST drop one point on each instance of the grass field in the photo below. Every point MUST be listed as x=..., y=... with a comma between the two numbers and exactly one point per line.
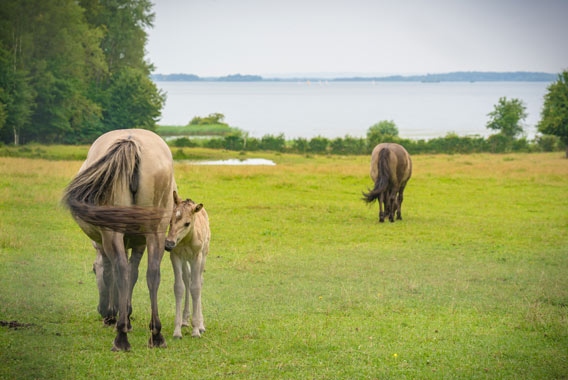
x=194, y=130
x=302, y=281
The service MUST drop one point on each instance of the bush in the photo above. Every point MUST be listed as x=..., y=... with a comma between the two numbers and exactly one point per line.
x=234, y=142
x=548, y=143
x=318, y=144
x=300, y=145
x=214, y=143
x=184, y=142
x=274, y=143
x=252, y=144
x=499, y=143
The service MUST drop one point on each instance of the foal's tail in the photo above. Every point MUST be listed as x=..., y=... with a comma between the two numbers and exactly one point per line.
x=91, y=193
x=383, y=177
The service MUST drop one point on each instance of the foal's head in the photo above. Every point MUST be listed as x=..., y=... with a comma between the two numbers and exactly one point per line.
x=182, y=221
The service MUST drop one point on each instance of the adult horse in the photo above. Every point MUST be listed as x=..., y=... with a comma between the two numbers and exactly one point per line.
x=122, y=199
x=391, y=168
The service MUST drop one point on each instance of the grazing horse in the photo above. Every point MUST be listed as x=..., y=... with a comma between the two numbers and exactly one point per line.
x=122, y=199
x=391, y=168
x=188, y=243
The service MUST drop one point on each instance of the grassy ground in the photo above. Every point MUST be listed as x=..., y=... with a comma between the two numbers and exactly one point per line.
x=194, y=130
x=303, y=282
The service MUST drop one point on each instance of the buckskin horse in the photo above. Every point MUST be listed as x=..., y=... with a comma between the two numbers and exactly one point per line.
x=122, y=199
x=391, y=168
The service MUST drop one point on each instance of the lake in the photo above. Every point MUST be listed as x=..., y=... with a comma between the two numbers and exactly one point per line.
x=336, y=109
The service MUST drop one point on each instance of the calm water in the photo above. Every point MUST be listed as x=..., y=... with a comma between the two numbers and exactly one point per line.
x=420, y=110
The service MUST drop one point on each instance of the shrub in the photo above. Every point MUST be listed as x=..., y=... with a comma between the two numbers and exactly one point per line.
x=318, y=144
x=184, y=142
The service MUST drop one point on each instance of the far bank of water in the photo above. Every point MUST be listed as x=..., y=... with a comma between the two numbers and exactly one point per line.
x=335, y=109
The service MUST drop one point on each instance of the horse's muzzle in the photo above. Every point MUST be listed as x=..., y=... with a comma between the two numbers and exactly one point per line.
x=170, y=245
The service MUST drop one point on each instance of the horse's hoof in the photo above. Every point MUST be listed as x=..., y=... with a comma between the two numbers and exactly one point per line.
x=185, y=324
x=381, y=220
x=196, y=333
x=120, y=343
x=157, y=341
x=109, y=321
x=202, y=330
x=178, y=336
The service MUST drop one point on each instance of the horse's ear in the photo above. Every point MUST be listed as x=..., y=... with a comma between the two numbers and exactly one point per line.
x=177, y=199
x=198, y=208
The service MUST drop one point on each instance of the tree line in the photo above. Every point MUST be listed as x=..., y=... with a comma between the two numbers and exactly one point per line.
x=73, y=70
x=506, y=118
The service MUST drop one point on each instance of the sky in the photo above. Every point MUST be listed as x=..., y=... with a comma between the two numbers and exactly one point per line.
x=347, y=37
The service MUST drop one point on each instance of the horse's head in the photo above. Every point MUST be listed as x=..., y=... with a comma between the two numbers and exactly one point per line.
x=182, y=221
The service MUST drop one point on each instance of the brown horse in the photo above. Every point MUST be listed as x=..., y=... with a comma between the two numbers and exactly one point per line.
x=391, y=168
x=122, y=199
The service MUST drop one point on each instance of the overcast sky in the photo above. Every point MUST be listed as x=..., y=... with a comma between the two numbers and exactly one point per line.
x=379, y=37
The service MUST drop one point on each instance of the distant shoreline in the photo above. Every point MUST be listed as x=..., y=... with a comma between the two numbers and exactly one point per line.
x=460, y=76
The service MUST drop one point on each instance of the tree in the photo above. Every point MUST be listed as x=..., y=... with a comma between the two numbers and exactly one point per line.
x=383, y=131
x=384, y=127
x=133, y=102
x=16, y=100
x=554, y=115
x=506, y=117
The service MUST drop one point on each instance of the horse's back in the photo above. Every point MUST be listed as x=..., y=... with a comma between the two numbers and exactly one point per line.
x=400, y=164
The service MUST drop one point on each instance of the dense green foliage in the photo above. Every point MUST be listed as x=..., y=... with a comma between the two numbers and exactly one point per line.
x=302, y=282
x=385, y=131
x=506, y=117
x=211, y=119
x=195, y=130
x=72, y=70
x=554, y=116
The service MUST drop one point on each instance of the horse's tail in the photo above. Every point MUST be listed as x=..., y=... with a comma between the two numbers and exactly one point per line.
x=90, y=194
x=383, y=177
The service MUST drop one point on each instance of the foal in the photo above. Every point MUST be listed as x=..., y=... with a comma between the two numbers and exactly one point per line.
x=188, y=244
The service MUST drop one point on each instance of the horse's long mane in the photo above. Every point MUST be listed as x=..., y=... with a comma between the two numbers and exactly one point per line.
x=383, y=177
x=91, y=193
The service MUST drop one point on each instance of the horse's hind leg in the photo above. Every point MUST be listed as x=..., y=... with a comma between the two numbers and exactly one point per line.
x=399, y=201
x=381, y=203
x=133, y=262
x=155, y=244
x=113, y=245
x=392, y=204
x=108, y=292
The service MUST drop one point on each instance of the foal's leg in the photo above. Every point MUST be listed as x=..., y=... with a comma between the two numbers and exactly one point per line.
x=179, y=290
x=113, y=245
x=133, y=262
x=155, y=244
x=196, y=283
x=186, y=273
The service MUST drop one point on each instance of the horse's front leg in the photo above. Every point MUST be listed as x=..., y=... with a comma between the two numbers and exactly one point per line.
x=155, y=244
x=113, y=245
x=197, y=264
x=133, y=262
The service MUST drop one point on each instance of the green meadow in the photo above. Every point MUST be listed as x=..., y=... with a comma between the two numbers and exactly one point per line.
x=302, y=281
